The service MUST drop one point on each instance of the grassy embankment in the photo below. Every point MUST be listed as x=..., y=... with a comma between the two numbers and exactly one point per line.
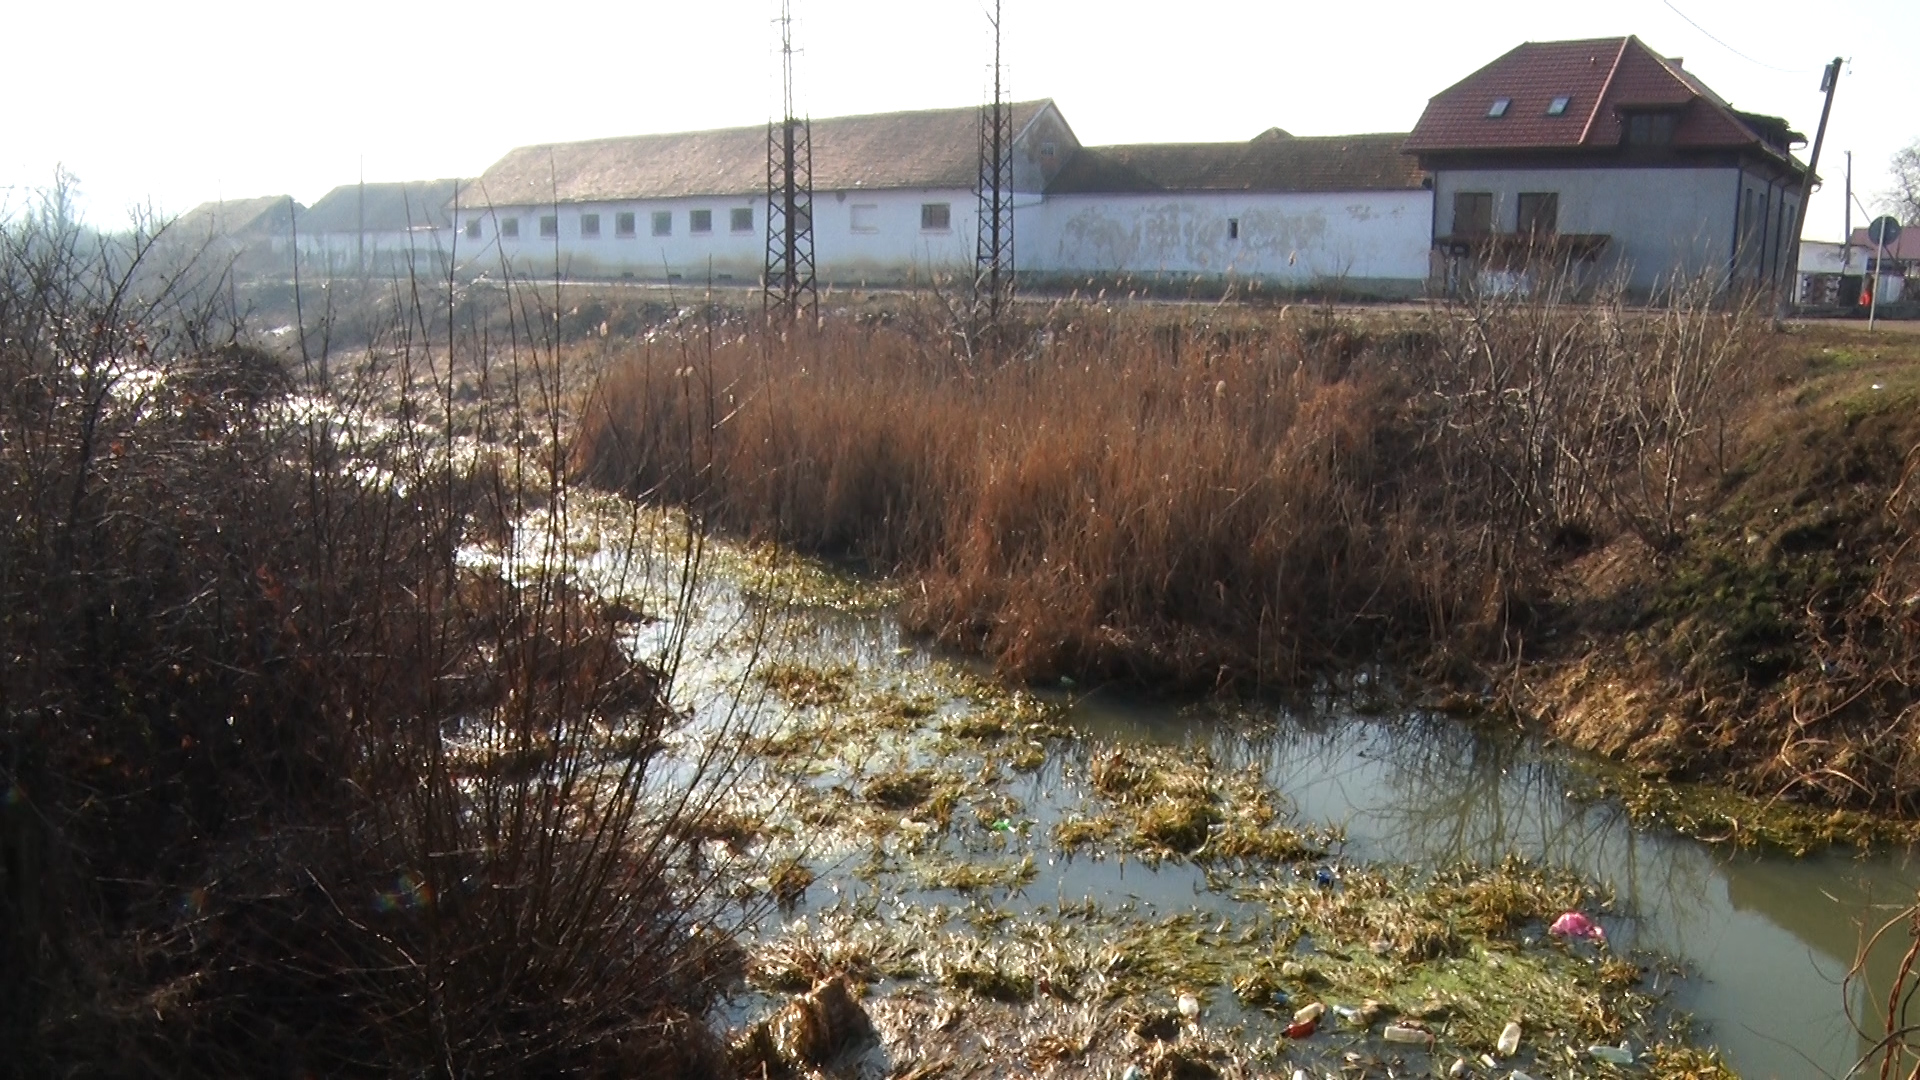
x=289, y=785
x=1675, y=536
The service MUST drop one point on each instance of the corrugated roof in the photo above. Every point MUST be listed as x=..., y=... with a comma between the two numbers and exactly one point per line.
x=935, y=148
x=235, y=217
x=388, y=207
x=1602, y=78
x=1273, y=162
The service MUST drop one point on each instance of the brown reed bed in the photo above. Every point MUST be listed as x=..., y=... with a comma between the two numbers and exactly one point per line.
x=1163, y=501
x=1671, y=533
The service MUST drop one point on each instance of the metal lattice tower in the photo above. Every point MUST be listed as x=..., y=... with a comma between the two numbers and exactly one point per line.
x=789, y=279
x=993, y=259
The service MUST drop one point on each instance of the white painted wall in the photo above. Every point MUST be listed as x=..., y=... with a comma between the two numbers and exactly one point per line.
x=1661, y=220
x=873, y=236
x=1370, y=241
x=423, y=251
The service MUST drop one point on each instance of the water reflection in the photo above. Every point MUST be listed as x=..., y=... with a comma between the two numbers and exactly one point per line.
x=1769, y=938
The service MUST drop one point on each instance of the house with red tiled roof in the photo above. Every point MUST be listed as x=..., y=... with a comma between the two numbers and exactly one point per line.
x=1609, y=156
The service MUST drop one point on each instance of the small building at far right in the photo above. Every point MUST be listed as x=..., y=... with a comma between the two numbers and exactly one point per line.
x=1605, y=158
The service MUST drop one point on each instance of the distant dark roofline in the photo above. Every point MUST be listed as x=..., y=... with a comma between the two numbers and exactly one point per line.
x=930, y=148
x=229, y=217
x=386, y=206
x=1272, y=162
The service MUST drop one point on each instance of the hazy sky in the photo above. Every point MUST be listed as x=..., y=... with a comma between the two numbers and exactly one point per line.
x=172, y=103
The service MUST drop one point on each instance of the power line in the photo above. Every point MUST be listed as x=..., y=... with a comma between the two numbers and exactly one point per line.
x=1731, y=49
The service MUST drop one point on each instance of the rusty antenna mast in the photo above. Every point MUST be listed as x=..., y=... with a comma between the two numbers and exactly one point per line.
x=993, y=258
x=788, y=283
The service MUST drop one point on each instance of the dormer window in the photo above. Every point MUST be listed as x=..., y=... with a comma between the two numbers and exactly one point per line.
x=1558, y=106
x=1649, y=128
x=1499, y=108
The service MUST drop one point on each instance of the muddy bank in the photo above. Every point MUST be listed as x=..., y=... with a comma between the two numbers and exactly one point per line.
x=1774, y=646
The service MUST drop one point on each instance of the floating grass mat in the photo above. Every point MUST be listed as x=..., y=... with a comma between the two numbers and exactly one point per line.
x=1720, y=815
x=1162, y=802
x=1469, y=955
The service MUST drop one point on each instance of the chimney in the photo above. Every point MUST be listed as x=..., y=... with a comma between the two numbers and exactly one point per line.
x=1677, y=61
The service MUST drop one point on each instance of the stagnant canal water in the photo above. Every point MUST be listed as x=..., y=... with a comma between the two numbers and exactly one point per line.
x=1766, y=940
x=1762, y=943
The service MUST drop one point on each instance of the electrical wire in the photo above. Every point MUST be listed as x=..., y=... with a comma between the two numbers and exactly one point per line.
x=1731, y=49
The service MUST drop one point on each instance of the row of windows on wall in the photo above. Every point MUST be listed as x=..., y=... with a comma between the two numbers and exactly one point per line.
x=1538, y=213
x=934, y=217
x=699, y=223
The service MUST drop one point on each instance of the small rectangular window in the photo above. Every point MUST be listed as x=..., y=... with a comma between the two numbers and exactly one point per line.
x=700, y=221
x=1472, y=213
x=549, y=225
x=510, y=228
x=1233, y=228
x=1499, y=108
x=936, y=216
x=1558, y=106
x=623, y=223
x=589, y=226
x=663, y=223
x=742, y=219
x=865, y=217
x=473, y=228
x=1539, y=213
x=1650, y=129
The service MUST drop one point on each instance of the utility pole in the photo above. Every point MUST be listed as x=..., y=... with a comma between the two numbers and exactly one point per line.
x=1846, y=235
x=1788, y=295
x=993, y=258
x=788, y=283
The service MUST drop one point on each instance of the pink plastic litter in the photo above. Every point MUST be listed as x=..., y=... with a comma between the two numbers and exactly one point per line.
x=1575, y=925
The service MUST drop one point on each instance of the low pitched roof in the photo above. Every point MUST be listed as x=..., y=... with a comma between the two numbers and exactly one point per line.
x=1274, y=162
x=236, y=217
x=1906, y=246
x=936, y=148
x=1601, y=78
x=388, y=207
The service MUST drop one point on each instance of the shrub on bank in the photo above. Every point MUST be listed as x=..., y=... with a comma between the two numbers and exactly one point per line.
x=288, y=785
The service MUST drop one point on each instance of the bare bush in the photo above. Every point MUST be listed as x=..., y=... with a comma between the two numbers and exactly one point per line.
x=298, y=776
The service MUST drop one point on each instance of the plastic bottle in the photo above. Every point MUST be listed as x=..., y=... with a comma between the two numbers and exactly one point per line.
x=1397, y=1033
x=1612, y=1055
x=1309, y=1013
x=1509, y=1039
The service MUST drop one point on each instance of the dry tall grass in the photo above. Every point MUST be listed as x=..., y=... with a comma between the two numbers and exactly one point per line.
x=1195, y=499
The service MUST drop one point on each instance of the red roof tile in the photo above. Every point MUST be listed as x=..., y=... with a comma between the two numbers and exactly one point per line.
x=1602, y=78
x=1905, y=247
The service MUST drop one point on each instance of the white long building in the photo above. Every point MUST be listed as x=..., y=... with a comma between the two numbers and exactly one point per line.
x=894, y=201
